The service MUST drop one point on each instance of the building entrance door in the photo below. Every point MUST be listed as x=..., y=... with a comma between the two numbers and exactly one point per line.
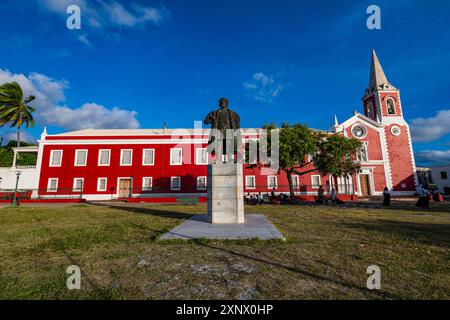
x=365, y=184
x=124, y=188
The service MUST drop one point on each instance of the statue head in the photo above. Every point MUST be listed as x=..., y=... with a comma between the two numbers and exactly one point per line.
x=223, y=103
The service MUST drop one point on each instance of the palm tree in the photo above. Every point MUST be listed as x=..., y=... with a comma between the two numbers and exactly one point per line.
x=14, y=108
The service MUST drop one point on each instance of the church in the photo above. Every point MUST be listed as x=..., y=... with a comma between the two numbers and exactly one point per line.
x=165, y=165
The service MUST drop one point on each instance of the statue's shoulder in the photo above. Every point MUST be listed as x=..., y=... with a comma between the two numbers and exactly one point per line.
x=234, y=113
x=211, y=114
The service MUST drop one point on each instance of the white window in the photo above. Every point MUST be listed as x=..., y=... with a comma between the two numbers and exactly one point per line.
x=176, y=156
x=272, y=182
x=80, y=158
x=362, y=153
x=104, y=157
x=315, y=181
x=52, y=185
x=202, y=156
x=148, y=157
x=126, y=157
x=250, y=182
x=175, y=183
x=309, y=157
x=101, y=184
x=147, y=183
x=359, y=131
x=78, y=184
x=201, y=183
x=55, y=158
x=295, y=182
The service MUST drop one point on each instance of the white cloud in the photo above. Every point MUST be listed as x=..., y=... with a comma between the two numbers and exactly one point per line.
x=433, y=157
x=92, y=115
x=263, y=88
x=104, y=13
x=84, y=40
x=51, y=108
x=431, y=129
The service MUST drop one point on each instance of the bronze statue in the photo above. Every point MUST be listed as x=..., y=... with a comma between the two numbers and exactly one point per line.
x=223, y=119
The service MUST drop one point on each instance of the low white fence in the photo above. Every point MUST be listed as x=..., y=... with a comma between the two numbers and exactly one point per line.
x=27, y=178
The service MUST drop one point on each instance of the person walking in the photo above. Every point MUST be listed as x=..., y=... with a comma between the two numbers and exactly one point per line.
x=321, y=195
x=386, y=197
x=436, y=195
x=260, y=199
x=424, y=201
x=333, y=195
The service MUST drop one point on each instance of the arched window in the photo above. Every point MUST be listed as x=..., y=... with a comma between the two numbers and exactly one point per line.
x=370, y=111
x=390, y=106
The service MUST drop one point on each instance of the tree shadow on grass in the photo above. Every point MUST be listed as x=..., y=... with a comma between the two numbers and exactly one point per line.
x=304, y=272
x=148, y=211
x=426, y=233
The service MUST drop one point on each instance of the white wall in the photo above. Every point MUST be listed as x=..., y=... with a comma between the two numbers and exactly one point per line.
x=436, y=176
x=27, y=180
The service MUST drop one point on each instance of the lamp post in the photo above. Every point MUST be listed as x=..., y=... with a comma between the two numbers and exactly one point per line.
x=15, y=190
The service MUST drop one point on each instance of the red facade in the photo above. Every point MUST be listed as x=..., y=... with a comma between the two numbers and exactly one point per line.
x=160, y=171
x=387, y=159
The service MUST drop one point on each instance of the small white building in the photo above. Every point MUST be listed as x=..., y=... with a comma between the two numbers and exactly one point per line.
x=441, y=177
x=27, y=174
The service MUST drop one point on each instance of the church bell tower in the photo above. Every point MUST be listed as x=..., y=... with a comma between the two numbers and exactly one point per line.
x=382, y=103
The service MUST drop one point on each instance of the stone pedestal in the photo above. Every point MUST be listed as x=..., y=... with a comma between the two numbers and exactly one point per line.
x=225, y=193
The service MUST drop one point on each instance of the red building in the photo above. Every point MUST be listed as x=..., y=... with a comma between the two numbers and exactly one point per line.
x=164, y=164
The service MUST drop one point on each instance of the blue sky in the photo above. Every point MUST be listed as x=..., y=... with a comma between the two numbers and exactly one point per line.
x=138, y=63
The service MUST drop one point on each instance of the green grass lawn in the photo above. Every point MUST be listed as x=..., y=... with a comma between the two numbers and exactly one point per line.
x=325, y=256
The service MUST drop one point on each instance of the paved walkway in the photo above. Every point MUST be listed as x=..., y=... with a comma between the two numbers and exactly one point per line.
x=256, y=226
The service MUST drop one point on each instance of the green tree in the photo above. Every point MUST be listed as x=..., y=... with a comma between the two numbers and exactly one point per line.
x=337, y=155
x=303, y=150
x=14, y=109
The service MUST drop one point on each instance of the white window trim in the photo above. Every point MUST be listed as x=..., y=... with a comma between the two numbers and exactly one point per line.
x=254, y=183
x=312, y=181
x=48, y=185
x=51, y=158
x=181, y=157
x=296, y=177
x=206, y=182
x=393, y=129
x=197, y=158
x=387, y=106
x=143, y=157
x=268, y=182
x=98, y=184
x=121, y=158
x=363, y=127
x=76, y=157
x=151, y=184
x=366, y=143
x=99, y=157
x=171, y=184
x=74, y=185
